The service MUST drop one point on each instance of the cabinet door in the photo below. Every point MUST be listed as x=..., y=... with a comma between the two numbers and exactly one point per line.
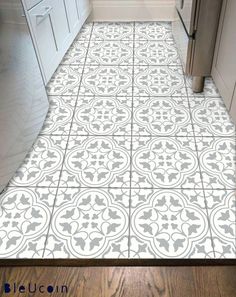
x=60, y=24
x=83, y=7
x=224, y=66
x=72, y=14
x=233, y=106
x=41, y=25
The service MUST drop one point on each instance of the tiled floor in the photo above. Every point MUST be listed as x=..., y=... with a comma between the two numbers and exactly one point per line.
x=130, y=163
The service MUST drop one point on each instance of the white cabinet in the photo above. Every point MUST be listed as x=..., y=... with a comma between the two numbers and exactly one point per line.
x=54, y=25
x=72, y=13
x=84, y=7
x=40, y=18
x=60, y=23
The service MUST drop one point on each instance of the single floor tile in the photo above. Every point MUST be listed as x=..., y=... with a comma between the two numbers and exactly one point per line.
x=107, y=81
x=76, y=53
x=113, y=31
x=110, y=52
x=43, y=163
x=169, y=225
x=153, y=31
x=65, y=81
x=164, y=162
x=210, y=117
x=162, y=116
x=59, y=117
x=24, y=220
x=217, y=157
x=159, y=81
x=96, y=161
x=156, y=53
x=221, y=206
x=102, y=116
x=85, y=32
x=91, y=225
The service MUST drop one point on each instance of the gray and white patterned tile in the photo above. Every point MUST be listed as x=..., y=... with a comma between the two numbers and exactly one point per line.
x=156, y=53
x=85, y=32
x=76, y=53
x=168, y=225
x=102, y=116
x=210, y=117
x=43, y=163
x=24, y=221
x=65, y=81
x=95, y=161
x=108, y=52
x=113, y=31
x=165, y=162
x=210, y=88
x=59, y=117
x=163, y=116
x=106, y=81
x=159, y=81
x=221, y=206
x=217, y=158
x=153, y=31
x=91, y=225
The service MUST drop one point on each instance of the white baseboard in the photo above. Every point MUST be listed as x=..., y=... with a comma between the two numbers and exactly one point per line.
x=133, y=10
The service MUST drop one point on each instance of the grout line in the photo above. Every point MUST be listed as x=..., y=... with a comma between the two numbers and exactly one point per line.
x=141, y=136
x=65, y=151
x=131, y=144
x=125, y=188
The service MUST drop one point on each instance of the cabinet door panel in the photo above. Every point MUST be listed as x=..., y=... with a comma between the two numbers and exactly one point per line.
x=60, y=23
x=72, y=13
x=224, y=67
x=41, y=26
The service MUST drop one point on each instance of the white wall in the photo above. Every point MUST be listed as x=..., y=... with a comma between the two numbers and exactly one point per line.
x=133, y=10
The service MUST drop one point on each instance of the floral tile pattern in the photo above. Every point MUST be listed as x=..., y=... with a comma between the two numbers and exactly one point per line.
x=113, y=31
x=165, y=162
x=153, y=31
x=110, y=53
x=217, y=158
x=102, y=116
x=65, y=81
x=92, y=224
x=59, y=116
x=96, y=161
x=24, y=217
x=43, y=163
x=159, y=81
x=130, y=163
x=156, y=53
x=166, y=116
x=77, y=53
x=106, y=81
x=168, y=225
x=210, y=117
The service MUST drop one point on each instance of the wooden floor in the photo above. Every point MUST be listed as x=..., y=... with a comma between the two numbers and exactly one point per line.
x=125, y=281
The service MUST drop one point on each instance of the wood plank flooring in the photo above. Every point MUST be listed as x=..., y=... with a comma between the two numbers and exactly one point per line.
x=201, y=281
